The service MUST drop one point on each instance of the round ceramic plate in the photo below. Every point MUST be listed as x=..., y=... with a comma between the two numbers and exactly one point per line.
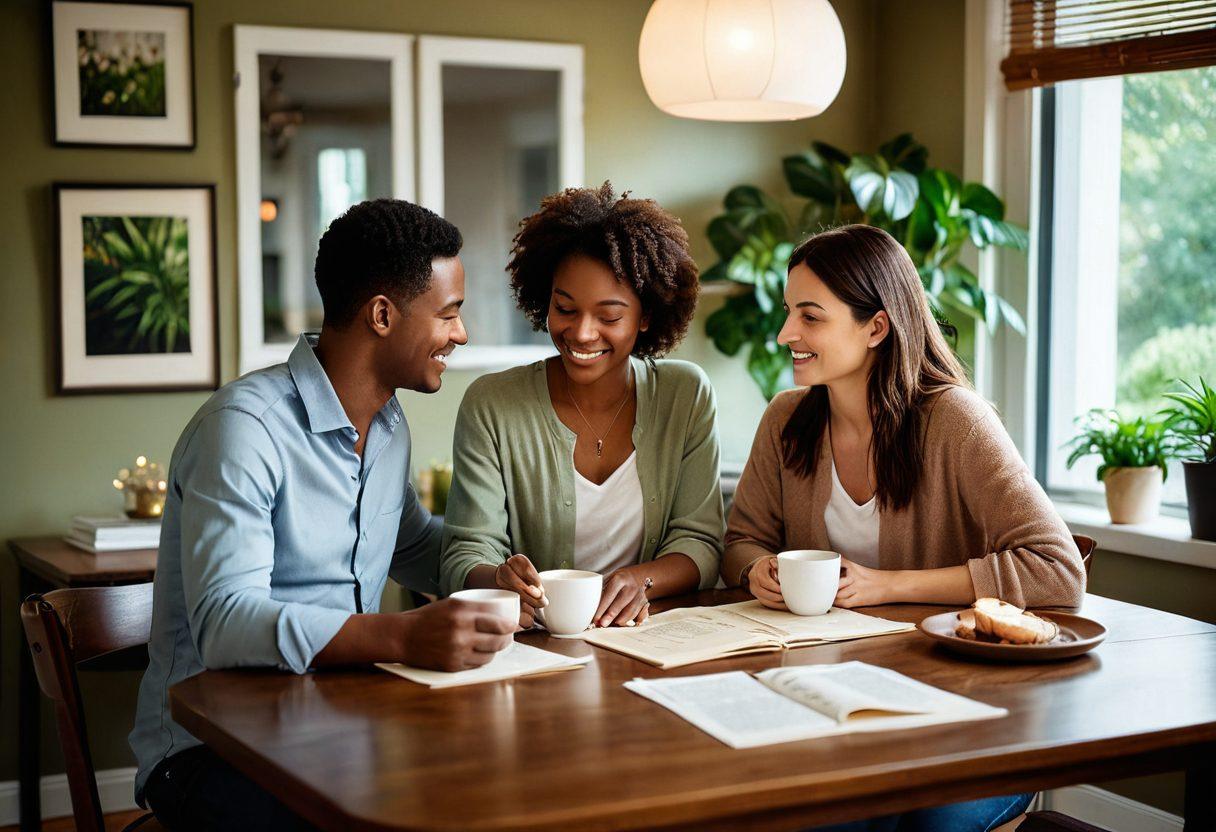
x=1077, y=635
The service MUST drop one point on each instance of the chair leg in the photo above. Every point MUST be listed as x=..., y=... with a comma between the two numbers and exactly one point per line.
x=29, y=728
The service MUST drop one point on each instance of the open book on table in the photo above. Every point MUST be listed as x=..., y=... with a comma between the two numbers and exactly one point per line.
x=785, y=704
x=517, y=660
x=696, y=634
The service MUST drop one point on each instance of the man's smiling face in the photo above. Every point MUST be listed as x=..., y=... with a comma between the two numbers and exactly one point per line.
x=430, y=328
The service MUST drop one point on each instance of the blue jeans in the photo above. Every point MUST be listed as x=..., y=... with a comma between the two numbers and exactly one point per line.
x=196, y=791
x=972, y=816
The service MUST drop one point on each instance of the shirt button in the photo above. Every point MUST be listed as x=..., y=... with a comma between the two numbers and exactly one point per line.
x=567, y=502
x=354, y=477
x=653, y=539
x=652, y=499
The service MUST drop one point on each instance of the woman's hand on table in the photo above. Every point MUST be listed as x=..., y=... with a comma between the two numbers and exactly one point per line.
x=762, y=582
x=623, y=602
x=861, y=586
x=518, y=575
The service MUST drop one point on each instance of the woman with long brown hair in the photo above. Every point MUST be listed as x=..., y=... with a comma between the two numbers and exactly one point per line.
x=889, y=457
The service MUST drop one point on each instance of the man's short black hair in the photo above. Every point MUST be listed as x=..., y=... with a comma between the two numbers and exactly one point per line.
x=380, y=247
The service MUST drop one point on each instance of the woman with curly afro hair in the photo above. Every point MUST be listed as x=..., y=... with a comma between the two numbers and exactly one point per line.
x=604, y=457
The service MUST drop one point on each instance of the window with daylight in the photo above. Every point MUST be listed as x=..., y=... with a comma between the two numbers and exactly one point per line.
x=1133, y=252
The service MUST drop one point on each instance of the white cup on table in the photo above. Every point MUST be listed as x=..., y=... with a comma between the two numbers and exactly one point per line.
x=504, y=603
x=573, y=596
x=809, y=580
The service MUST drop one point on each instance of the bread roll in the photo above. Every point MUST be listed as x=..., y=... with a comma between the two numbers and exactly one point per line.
x=1007, y=622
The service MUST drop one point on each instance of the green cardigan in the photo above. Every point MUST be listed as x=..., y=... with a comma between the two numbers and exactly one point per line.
x=513, y=478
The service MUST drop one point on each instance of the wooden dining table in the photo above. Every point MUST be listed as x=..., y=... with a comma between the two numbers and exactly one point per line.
x=365, y=750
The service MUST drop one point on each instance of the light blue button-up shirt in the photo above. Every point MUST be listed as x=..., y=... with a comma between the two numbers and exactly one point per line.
x=274, y=532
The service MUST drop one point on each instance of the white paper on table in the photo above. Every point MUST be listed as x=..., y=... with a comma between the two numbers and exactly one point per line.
x=517, y=660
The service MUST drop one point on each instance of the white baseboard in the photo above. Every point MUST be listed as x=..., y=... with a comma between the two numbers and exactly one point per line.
x=1109, y=810
x=115, y=787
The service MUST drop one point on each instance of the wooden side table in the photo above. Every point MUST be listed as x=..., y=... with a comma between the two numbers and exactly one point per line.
x=43, y=564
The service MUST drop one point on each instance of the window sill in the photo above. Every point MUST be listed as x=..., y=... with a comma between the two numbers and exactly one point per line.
x=1165, y=538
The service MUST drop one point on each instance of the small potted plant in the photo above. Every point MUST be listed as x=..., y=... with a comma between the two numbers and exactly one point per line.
x=1135, y=453
x=1193, y=419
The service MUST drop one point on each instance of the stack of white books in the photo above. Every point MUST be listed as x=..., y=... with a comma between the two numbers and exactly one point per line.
x=113, y=534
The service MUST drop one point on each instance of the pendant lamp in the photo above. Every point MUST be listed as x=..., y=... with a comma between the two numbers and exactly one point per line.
x=742, y=60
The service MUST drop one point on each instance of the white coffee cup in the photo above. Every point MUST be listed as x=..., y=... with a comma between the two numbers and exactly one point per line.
x=505, y=603
x=809, y=580
x=573, y=596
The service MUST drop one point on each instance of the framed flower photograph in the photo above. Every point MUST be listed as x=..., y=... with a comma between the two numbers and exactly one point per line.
x=136, y=299
x=123, y=74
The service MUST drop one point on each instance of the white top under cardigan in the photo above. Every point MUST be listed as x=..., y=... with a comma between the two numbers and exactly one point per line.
x=609, y=524
x=852, y=529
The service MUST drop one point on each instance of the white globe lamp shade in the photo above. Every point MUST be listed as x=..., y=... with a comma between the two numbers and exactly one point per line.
x=742, y=60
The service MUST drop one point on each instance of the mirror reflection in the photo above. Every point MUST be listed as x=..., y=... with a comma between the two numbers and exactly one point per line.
x=500, y=157
x=325, y=145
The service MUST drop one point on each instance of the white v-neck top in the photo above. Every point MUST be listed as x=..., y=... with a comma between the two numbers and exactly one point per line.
x=609, y=523
x=852, y=529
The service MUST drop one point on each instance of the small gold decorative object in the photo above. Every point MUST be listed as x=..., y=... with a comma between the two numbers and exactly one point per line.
x=144, y=489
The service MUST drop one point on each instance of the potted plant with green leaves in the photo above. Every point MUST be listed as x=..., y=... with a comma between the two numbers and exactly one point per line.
x=1135, y=455
x=1192, y=418
x=934, y=214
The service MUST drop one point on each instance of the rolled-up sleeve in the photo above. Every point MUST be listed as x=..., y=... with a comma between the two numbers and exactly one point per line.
x=696, y=525
x=476, y=521
x=227, y=479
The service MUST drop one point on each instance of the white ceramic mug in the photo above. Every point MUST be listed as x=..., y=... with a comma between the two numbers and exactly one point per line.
x=573, y=596
x=809, y=580
x=505, y=603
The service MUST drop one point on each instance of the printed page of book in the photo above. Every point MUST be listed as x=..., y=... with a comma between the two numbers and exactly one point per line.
x=728, y=706
x=517, y=660
x=688, y=635
x=860, y=691
x=837, y=624
x=735, y=709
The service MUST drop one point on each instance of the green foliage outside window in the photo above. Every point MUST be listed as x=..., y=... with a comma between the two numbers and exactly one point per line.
x=1167, y=277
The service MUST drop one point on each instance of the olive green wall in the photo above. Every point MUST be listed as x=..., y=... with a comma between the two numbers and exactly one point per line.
x=59, y=453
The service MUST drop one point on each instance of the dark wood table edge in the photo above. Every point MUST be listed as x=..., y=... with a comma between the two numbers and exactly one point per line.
x=1029, y=767
x=34, y=565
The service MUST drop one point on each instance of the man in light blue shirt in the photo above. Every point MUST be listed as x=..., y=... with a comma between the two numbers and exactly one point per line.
x=290, y=505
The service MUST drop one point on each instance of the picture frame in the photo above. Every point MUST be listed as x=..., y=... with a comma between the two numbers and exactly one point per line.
x=136, y=300
x=122, y=73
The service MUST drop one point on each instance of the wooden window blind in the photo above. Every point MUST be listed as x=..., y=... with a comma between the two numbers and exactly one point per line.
x=1061, y=40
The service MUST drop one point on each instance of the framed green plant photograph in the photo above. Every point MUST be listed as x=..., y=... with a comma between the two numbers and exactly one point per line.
x=123, y=73
x=136, y=287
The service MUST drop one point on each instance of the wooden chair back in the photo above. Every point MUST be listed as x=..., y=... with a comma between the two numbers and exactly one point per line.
x=1086, y=545
x=64, y=628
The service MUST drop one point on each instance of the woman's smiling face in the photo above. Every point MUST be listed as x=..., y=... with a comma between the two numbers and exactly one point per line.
x=824, y=339
x=594, y=319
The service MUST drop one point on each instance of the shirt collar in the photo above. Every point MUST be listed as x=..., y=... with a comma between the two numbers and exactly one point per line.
x=325, y=412
x=321, y=403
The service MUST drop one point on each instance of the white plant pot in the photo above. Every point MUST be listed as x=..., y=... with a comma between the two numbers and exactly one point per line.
x=1133, y=495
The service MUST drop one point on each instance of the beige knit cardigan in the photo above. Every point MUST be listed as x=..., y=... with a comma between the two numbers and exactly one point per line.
x=976, y=503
